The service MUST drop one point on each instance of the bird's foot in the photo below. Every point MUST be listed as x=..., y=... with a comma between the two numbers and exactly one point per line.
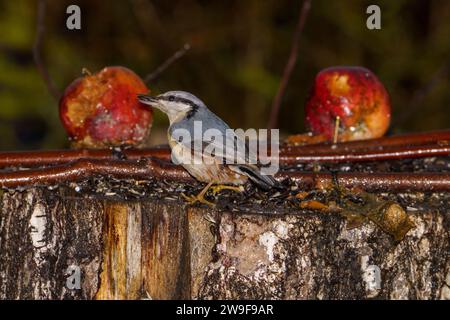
x=200, y=197
x=197, y=198
x=216, y=189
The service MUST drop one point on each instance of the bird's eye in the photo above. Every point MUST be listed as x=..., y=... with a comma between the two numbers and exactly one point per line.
x=171, y=98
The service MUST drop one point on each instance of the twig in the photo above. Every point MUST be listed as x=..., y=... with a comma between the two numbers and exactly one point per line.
x=420, y=94
x=153, y=169
x=287, y=156
x=276, y=105
x=177, y=55
x=386, y=181
x=412, y=139
x=40, y=27
x=55, y=157
x=145, y=169
x=399, y=152
x=388, y=148
x=149, y=21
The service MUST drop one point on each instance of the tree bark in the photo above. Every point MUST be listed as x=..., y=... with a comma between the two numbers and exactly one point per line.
x=163, y=249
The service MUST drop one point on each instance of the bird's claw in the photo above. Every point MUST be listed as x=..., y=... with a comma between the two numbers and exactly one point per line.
x=216, y=189
x=198, y=198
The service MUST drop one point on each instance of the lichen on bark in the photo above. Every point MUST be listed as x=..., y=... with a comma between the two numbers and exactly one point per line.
x=163, y=248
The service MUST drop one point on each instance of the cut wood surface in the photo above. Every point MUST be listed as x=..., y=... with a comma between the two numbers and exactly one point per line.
x=162, y=249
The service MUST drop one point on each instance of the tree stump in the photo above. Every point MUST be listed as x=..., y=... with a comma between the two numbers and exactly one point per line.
x=161, y=248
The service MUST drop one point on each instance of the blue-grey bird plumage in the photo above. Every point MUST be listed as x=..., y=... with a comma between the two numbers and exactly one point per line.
x=184, y=110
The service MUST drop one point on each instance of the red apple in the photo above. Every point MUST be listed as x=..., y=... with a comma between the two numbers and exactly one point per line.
x=102, y=110
x=356, y=96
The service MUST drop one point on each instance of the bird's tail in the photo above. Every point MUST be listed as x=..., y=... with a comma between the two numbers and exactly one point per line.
x=265, y=182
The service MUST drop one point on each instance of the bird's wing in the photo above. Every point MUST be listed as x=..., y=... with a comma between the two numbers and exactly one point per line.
x=216, y=139
x=229, y=149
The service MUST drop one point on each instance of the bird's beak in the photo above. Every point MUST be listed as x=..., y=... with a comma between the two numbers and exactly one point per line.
x=145, y=99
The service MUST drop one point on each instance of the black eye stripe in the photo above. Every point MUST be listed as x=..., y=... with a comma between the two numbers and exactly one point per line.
x=178, y=99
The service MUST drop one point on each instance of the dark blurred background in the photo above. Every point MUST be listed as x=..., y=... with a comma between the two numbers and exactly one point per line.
x=239, y=50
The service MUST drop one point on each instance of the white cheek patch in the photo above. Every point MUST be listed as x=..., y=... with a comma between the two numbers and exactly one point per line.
x=176, y=115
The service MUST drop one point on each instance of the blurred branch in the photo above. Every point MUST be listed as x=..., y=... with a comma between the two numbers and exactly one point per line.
x=177, y=55
x=40, y=27
x=420, y=94
x=149, y=21
x=273, y=120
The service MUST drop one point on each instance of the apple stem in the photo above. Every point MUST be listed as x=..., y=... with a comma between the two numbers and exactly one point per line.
x=336, y=129
x=85, y=72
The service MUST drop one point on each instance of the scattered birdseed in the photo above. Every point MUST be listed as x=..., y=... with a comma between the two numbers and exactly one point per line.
x=251, y=199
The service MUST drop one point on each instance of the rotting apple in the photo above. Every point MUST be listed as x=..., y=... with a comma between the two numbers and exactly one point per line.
x=355, y=97
x=102, y=110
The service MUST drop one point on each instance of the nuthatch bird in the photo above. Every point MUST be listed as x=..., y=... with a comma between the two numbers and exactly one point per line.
x=227, y=165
